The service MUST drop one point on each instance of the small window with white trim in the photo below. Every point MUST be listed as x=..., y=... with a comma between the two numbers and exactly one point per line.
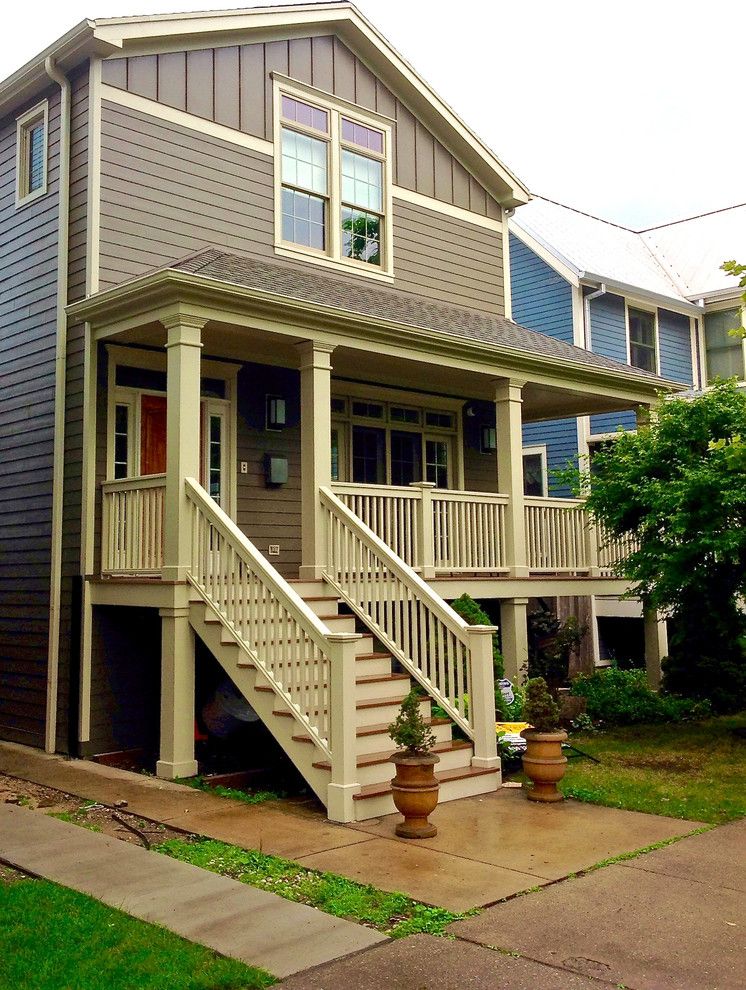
x=333, y=181
x=535, y=471
x=642, y=340
x=31, y=154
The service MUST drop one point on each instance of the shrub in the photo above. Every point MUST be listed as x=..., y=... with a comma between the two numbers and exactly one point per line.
x=624, y=697
x=551, y=644
x=473, y=614
x=409, y=731
x=540, y=709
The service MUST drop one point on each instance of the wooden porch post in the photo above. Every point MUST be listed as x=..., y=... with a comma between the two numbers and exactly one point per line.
x=183, y=348
x=316, y=455
x=514, y=629
x=177, y=695
x=508, y=402
x=656, y=647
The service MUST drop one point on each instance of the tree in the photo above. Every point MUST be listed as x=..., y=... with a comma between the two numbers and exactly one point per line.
x=678, y=487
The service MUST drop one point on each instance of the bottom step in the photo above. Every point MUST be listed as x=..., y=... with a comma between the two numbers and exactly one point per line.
x=375, y=800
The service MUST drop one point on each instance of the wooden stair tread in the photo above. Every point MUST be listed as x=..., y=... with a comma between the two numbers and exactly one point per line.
x=381, y=678
x=443, y=777
x=383, y=727
x=374, y=656
x=371, y=759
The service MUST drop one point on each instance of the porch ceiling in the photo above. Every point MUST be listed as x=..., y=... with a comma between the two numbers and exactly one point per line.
x=406, y=342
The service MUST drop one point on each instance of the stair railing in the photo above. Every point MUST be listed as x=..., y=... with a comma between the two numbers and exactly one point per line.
x=450, y=659
x=308, y=666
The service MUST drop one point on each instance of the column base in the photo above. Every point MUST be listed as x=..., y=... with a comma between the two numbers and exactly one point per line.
x=176, y=574
x=340, y=806
x=311, y=572
x=170, y=771
x=486, y=762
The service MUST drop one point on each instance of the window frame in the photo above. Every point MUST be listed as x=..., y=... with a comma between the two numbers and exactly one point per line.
x=714, y=310
x=336, y=108
x=539, y=450
x=24, y=124
x=650, y=311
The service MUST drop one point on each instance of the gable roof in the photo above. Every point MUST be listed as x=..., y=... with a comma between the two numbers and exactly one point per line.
x=679, y=261
x=122, y=35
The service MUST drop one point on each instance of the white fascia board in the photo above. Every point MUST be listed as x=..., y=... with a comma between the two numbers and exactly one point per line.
x=732, y=293
x=549, y=254
x=635, y=292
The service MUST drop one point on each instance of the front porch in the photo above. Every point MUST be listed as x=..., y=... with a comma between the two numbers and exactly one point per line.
x=262, y=471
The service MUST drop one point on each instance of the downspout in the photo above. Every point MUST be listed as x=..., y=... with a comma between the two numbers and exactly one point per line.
x=58, y=468
x=600, y=291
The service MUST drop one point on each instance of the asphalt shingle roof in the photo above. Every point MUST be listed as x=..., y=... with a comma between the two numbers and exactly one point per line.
x=309, y=286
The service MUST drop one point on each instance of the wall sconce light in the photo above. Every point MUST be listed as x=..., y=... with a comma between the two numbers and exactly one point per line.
x=275, y=470
x=276, y=415
x=488, y=443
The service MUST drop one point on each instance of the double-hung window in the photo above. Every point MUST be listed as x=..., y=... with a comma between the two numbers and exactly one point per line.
x=31, y=154
x=333, y=183
x=642, y=340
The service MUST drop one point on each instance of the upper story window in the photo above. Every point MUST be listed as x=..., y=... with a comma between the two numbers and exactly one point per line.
x=31, y=154
x=725, y=354
x=333, y=186
x=643, y=350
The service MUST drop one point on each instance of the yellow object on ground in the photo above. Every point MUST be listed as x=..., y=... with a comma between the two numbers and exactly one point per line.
x=513, y=727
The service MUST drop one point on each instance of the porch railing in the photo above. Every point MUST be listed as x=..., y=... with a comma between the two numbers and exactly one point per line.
x=132, y=525
x=391, y=511
x=450, y=659
x=468, y=531
x=559, y=536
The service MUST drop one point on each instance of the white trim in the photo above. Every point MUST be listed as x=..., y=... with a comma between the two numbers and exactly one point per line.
x=336, y=108
x=541, y=450
x=507, y=287
x=448, y=209
x=694, y=346
x=93, y=211
x=578, y=318
x=183, y=119
x=24, y=123
x=653, y=311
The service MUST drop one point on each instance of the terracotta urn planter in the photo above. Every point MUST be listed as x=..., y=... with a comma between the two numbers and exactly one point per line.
x=415, y=791
x=544, y=763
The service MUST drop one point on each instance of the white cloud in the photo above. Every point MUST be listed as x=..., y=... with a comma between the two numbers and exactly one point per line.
x=624, y=110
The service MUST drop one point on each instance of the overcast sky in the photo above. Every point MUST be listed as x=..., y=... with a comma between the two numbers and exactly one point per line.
x=633, y=111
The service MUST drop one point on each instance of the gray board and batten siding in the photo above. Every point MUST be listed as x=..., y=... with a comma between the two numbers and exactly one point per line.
x=28, y=273
x=233, y=86
x=169, y=190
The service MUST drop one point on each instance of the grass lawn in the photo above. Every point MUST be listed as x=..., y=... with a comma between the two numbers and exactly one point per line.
x=394, y=914
x=694, y=770
x=52, y=937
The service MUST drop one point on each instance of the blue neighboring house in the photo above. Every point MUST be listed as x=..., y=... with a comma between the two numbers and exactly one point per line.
x=654, y=299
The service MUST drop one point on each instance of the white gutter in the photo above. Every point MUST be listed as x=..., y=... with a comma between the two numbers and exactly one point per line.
x=58, y=469
x=600, y=291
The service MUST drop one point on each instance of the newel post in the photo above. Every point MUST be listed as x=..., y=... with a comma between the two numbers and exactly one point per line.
x=593, y=546
x=342, y=727
x=482, y=696
x=183, y=359
x=425, y=535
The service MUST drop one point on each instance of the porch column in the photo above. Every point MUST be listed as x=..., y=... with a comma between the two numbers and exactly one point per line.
x=514, y=638
x=656, y=647
x=183, y=348
x=508, y=401
x=177, y=695
x=316, y=454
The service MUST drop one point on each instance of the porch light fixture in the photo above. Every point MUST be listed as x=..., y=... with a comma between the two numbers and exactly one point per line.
x=276, y=417
x=489, y=440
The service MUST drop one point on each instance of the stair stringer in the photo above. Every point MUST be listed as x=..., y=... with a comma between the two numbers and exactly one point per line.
x=238, y=665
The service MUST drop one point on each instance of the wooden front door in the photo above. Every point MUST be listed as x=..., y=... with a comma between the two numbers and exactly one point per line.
x=153, y=434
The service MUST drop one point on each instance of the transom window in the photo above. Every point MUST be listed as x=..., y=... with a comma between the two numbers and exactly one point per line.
x=642, y=344
x=333, y=185
x=31, y=154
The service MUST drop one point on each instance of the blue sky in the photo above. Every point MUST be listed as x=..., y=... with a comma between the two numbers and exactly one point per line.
x=627, y=111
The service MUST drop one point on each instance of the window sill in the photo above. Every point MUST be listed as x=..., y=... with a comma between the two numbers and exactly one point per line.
x=348, y=268
x=30, y=198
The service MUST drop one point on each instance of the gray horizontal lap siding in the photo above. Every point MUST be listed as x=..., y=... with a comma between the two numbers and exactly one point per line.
x=167, y=191
x=28, y=263
x=233, y=86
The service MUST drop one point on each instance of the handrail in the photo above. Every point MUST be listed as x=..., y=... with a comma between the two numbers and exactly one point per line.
x=134, y=482
x=287, y=642
x=421, y=630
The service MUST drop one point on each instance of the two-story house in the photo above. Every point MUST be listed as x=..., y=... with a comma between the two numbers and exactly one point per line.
x=263, y=398
x=654, y=299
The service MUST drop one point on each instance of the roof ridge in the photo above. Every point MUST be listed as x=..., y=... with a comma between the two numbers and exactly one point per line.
x=696, y=216
x=584, y=213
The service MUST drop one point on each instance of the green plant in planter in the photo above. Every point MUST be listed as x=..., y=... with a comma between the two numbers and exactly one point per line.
x=540, y=709
x=409, y=731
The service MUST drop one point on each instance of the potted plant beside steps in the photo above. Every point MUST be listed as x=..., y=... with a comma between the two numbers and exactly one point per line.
x=543, y=761
x=415, y=787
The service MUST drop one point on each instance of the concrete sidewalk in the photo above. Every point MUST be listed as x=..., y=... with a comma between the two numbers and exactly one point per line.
x=487, y=848
x=257, y=927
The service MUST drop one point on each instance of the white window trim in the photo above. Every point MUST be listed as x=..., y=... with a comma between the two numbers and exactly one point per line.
x=653, y=310
x=23, y=125
x=541, y=450
x=335, y=107
x=718, y=308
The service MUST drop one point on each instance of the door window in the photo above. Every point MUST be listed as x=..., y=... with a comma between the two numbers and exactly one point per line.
x=368, y=455
x=406, y=457
x=437, y=460
x=152, y=434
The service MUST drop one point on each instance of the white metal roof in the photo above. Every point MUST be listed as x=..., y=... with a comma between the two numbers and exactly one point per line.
x=679, y=261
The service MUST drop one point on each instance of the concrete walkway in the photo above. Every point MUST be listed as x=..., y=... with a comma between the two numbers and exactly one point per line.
x=252, y=925
x=487, y=848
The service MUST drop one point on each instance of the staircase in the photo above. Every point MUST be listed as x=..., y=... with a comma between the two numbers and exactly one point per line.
x=379, y=692
x=322, y=682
